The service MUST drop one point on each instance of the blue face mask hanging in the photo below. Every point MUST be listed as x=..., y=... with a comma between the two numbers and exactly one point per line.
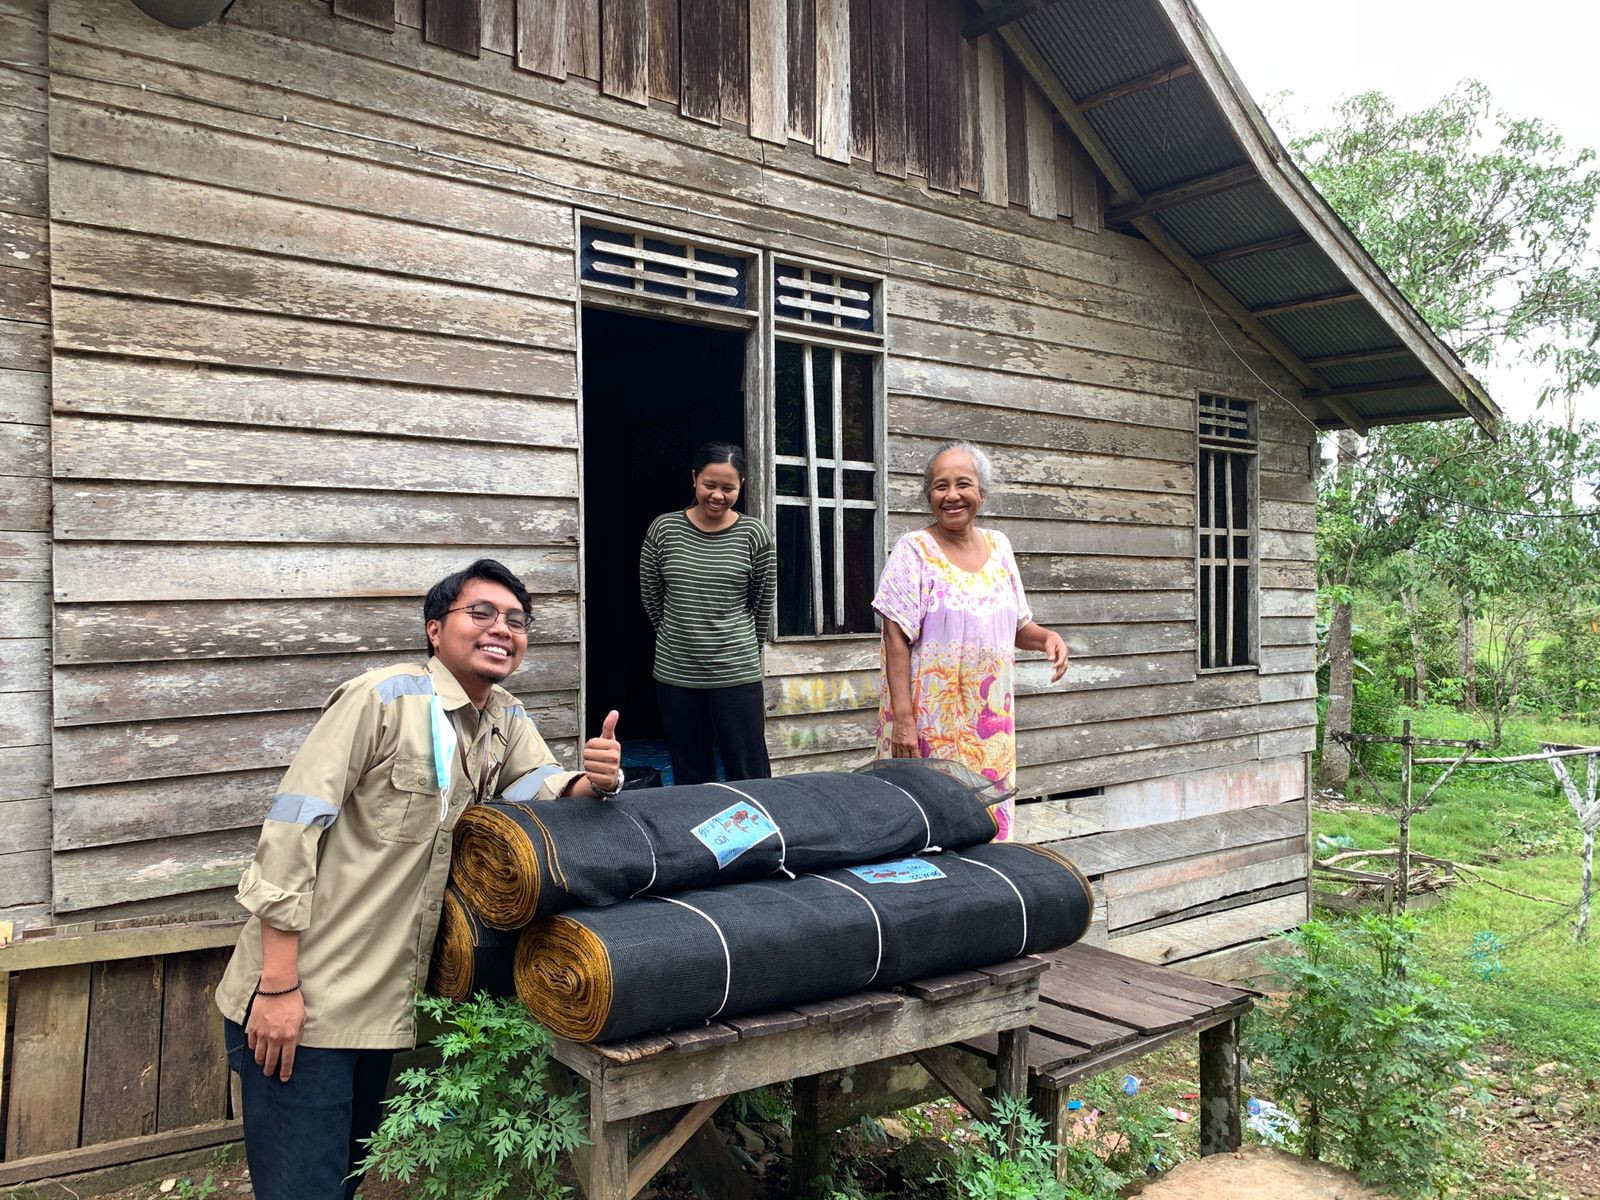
x=444, y=752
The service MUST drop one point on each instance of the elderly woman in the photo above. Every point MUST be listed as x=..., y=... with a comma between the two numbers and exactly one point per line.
x=954, y=616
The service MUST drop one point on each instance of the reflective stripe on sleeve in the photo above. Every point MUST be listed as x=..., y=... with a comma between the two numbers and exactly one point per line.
x=525, y=787
x=302, y=810
x=391, y=689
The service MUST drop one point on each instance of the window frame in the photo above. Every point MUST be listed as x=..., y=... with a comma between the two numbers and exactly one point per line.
x=809, y=335
x=1226, y=448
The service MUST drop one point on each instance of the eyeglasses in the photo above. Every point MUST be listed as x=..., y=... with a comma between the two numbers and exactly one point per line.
x=483, y=615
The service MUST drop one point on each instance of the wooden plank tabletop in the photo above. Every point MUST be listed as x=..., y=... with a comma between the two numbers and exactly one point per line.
x=1098, y=1007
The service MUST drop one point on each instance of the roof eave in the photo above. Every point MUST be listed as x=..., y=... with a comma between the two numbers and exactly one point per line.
x=1275, y=167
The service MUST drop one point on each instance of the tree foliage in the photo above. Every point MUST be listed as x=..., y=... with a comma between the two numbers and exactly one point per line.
x=1485, y=223
x=1370, y=1053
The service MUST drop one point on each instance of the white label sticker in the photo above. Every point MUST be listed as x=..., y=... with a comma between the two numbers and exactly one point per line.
x=905, y=870
x=733, y=831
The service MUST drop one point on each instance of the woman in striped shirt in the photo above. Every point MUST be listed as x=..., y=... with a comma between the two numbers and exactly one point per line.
x=708, y=576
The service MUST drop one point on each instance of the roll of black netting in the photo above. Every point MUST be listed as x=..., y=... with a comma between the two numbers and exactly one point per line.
x=516, y=862
x=468, y=956
x=664, y=962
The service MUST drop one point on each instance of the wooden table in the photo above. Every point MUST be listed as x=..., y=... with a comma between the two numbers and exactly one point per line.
x=689, y=1073
x=1098, y=1010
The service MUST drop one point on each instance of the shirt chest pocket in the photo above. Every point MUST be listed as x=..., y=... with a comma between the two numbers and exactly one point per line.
x=410, y=812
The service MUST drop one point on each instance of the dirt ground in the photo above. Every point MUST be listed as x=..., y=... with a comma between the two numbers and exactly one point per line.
x=1255, y=1173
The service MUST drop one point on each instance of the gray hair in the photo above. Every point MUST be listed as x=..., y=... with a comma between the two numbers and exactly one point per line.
x=980, y=464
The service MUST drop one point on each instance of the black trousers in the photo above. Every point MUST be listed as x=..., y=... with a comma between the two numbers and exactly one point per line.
x=698, y=722
x=303, y=1138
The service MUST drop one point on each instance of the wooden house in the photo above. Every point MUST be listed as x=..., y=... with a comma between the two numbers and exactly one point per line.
x=303, y=309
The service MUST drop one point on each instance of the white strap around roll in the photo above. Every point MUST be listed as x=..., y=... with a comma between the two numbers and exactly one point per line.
x=727, y=958
x=783, y=846
x=650, y=843
x=928, y=847
x=1023, y=948
x=878, y=965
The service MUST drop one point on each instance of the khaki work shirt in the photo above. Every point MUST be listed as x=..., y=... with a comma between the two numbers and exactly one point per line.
x=355, y=852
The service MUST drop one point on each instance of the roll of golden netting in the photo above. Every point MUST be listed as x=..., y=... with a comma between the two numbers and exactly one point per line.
x=563, y=976
x=450, y=972
x=496, y=865
x=468, y=956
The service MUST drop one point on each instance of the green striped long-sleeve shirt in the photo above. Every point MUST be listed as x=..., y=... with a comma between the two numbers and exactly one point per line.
x=710, y=597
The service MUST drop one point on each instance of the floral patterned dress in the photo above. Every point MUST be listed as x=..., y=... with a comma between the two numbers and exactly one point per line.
x=962, y=626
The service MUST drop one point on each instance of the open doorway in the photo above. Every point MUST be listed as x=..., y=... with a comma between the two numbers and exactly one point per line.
x=653, y=391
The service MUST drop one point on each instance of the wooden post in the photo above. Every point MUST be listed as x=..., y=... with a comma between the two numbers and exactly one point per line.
x=1586, y=807
x=1588, y=883
x=1011, y=1072
x=811, y=1141
x=1219, y=1088
x=1051, y=1105
x=1402, y=890
x=608, y=1154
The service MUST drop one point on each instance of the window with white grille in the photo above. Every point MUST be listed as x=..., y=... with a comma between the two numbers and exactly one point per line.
x=827, y=438
x=646, y=266
x=824, y=299
x=1225, y=505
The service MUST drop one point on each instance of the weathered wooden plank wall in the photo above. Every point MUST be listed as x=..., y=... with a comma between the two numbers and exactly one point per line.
x=295, y=389
x=305, y=366
x=890, y=82
x=24, y=465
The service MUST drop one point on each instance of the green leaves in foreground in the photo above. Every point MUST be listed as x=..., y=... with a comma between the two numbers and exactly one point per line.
x=482, y=1123
x=1371, y=1054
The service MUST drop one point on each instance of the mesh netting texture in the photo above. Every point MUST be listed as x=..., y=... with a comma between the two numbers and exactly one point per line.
x=664, y=962
x=469, y=956
x=516, y=862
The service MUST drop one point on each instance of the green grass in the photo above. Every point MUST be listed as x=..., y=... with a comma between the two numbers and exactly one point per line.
x=1513, y=826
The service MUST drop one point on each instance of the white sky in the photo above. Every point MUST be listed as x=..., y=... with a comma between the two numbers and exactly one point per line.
x=1536, y=57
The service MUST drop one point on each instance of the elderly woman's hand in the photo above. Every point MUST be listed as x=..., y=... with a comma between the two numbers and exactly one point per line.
x=903, y=738
x=1055, y=650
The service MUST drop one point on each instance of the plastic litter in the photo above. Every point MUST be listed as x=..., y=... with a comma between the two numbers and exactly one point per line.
x=1270, y=1123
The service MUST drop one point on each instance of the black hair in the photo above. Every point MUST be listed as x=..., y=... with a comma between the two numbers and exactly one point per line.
x=443, y=595
x=719, y=452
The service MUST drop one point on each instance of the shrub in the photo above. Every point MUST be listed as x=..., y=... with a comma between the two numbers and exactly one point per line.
x=985, y=1172
x=481, y=1123
x=1370, y=1054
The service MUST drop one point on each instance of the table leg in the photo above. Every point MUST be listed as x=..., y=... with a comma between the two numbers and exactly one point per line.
x=1219, y=1088
x=1011, y=1072
x=1051, y=1105
x=812, y=1143
x=608, y=1157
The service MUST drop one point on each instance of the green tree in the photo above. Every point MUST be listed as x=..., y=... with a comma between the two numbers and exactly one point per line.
x=1486, y=223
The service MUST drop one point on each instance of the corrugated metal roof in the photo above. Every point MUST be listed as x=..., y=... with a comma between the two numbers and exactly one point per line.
x=1183, y=130
x=1354, y=374
x=1238, y=217
x=1340, y=329
x=1165, y=132
x=1100, y=54
x=1280, y=276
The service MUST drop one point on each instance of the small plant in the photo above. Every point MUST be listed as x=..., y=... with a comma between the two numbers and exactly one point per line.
x=985, y=1170
x=483, y=1122
x=1370, y=1054
x=188, y=1189
x=1487, y=947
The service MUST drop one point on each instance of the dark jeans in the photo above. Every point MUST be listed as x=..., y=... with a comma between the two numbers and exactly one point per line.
x=303, y=1138
x=732, y=717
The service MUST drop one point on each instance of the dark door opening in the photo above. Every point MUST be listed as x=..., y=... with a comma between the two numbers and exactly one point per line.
x=653, y=392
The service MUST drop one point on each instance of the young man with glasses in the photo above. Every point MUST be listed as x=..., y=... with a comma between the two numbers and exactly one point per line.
x=350, y=871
